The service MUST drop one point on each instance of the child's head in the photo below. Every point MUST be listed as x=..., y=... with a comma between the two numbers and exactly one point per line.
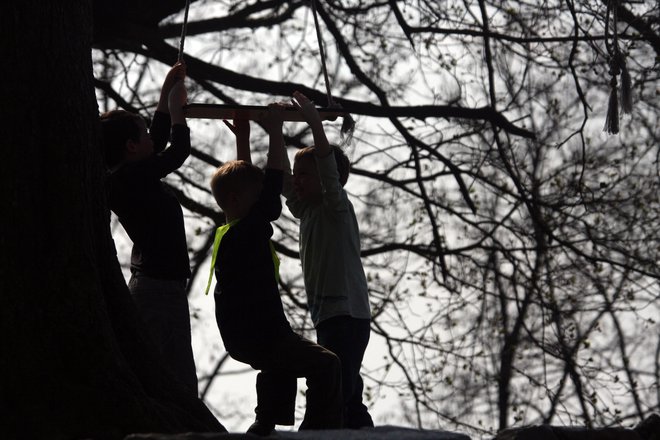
x=236, y=186
x=306, y=180
x=125, y=137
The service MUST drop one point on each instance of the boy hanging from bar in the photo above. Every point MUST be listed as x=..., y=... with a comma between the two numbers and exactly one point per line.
x=329, y=240
x=249, y=310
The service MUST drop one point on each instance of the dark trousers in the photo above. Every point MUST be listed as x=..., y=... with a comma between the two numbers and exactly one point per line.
x=163, y=306
x=348, y=337
x=280, y=364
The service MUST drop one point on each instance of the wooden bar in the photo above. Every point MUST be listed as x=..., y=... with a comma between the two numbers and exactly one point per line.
x=252, y=112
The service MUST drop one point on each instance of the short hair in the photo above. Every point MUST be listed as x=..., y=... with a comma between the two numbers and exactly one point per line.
x=343, y=163
x=117, y=127
x=233, y=176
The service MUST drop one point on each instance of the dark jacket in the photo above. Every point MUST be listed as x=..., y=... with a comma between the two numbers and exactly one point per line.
x=148, y=210
x=247, y=300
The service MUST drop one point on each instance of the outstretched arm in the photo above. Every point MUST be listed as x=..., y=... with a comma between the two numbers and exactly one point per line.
x=288, y=192
x=273, y=122
x=241, y=129
x=177, y=98
x=177, y=73
x=313, y=119
x=333, y=194
x=161, y=123
x=166, y=161
x=269, y=199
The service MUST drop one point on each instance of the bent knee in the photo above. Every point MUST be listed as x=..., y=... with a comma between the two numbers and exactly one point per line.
x=332, y=361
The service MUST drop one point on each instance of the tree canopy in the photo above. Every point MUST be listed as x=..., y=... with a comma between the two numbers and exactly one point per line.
x=511, y=245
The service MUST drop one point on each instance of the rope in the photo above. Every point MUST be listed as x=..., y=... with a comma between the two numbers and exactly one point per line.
x=331, y=102
x=348, y=124
x=184, y=29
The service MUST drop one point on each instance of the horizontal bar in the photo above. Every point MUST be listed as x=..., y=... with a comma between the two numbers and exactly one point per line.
x=252, y=112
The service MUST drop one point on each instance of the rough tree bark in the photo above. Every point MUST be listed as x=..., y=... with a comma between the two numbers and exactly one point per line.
x=73, y=362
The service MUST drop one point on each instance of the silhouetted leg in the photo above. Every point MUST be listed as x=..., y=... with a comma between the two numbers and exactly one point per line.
x=322, y=369
x=348, y=338
x=276, y=397
x=281, y=362
x=163, y=306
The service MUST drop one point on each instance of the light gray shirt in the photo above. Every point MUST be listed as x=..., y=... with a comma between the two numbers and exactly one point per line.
x=330, y=248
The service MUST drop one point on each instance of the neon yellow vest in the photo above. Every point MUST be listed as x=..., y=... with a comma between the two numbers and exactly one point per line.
x=219, y=233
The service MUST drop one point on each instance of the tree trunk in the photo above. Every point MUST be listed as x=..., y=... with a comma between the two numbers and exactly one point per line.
x=74, y=360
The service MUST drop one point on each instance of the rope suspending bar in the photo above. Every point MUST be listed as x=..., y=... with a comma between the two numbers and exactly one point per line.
x=348, y=124
x=319, y=40
x=253, y=112
x=184, y=29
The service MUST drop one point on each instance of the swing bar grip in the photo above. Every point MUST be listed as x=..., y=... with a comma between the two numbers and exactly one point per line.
x=252, y=112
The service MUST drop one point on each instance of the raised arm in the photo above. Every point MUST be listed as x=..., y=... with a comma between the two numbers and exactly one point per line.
x=161, y=123
x=176, y=100
x=165, y=161
x=313, y=119
x=334, y=195
x=273, y=122
x=177, y=73
x=241, y=129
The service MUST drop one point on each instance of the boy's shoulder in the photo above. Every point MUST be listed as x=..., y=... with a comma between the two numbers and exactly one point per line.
x=130, y=173
x=251, y=227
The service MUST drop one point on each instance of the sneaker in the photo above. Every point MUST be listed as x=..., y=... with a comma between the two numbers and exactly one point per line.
x=261, y=428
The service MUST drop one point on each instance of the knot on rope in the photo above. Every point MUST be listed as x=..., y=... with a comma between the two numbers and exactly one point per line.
x=615, y=62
